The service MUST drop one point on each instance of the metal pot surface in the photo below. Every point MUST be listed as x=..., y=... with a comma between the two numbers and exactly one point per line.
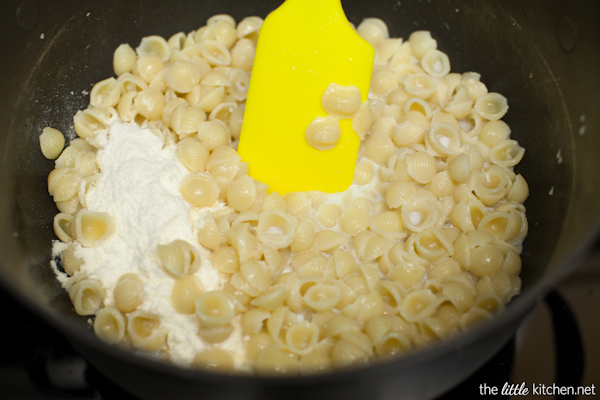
x=543, y=56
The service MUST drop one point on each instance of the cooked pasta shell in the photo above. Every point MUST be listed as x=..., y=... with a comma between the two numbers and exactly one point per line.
x=177, y=41
x=323, y=133
x=214, y=309
x=193, y=154
x=89, y=122
x=159, y=81
x=418, y=215
x=242, y=54
x=419, y=304
x=507, y=153
x=92, y=228
x=215, y=334
x=435, y=63
x=441, y=185
x=215, y=52
x=87, y=296
x=378, y=147
x=494, y=132
x=70, y=262
x=376, y=247
x=386, y=49
x=200, y=189
x=109, y=325
x=421, y=167
x=105, y=93
x=354, y=220
x=407, y=133
x=519, y=190
x=383, y=82
x=64, y=227
x=149, y=103
x=362, y=120
x=492, y=106
x=341, y=101
x=249, y=27
x=373, y=30
x=422, y=86
x=467, y=214
x=182, y=76
x=443, y=139
x=52, y=142
x=388, y=224
x=328, y=214
x=421, y=42
x=128, y=292
x=211, y=97
x=276, y=228
x=154, y=45
x=179, y=258
x=241, y=193
x=415, y=104
x=124, y=59
x=213, y=134
x=491, y=185
x=184, y=293
x=146, y=330
x=458, y=168
x=393, y=343
x=461, y=104
x=216, y=78
x=383, y=125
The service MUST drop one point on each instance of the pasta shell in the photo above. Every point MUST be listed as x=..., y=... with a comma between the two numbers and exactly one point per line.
x=105, y=93
x=215, y=53
x=87, y=296
x=182, y=76
x=421, y=42
x=148, y=66
x=328, y=214
x=128, y=292
x=354, y=220
x=154, y=45
x=328, y=240
x=124, y=59
x=200, y=189
x=341, y=101
x=435, y=63
x=63, y=227
x=249, y=27
x=52, y=142
x=323, y=133
x=109, y=325
x=362, y=120
x=276, y=228
x=492, y=106
x=373, y=30
x=507, y=153
x=421, y=167
x=145, y=330
x=241, y=193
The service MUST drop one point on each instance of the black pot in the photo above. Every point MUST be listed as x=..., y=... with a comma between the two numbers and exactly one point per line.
x=542, y=55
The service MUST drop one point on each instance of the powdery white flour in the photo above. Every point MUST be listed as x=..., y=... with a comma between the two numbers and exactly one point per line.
x=139, y=188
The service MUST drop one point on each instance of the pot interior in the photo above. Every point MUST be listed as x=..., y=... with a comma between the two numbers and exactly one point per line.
x=519, y=51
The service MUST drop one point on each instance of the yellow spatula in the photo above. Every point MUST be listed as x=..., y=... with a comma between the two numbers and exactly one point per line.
x=303, y=47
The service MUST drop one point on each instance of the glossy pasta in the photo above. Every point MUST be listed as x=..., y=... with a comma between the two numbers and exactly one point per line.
x=424, y=245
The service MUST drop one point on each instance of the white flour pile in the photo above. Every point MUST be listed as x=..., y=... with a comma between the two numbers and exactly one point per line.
x=139, y=188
